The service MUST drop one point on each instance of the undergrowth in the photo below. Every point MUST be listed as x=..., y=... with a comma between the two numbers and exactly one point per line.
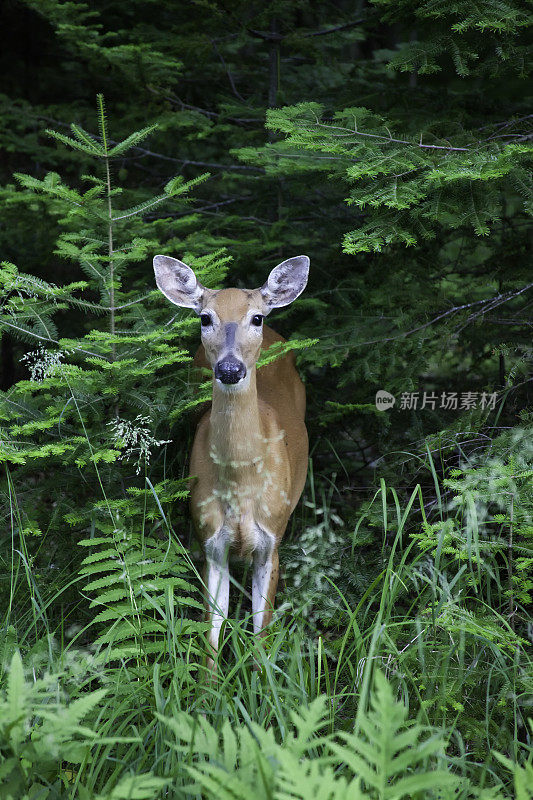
x=398, y=664
x=421, y=689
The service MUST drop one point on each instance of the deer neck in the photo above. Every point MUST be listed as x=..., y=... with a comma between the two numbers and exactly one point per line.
x=236, y=437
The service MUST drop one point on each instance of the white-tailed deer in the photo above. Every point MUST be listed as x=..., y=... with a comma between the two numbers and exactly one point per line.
x=249, y=457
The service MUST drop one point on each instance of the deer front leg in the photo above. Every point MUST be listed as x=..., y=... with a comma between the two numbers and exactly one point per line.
x=217, y=586
x=264, y=580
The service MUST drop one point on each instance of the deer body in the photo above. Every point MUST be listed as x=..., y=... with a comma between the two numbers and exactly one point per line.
x=249, y=456
x=242, y=440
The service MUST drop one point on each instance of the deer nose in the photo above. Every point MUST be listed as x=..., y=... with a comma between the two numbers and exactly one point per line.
x=230, y=370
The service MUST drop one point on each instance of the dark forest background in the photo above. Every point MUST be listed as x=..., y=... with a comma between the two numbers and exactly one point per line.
x=390, y=142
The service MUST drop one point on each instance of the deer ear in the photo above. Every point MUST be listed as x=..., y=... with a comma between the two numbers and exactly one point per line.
x=178, y=282
x=286, y=282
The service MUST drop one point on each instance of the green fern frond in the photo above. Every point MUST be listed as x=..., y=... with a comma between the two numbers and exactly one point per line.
x=389, y=748
x=307, y=724
x=305, y=780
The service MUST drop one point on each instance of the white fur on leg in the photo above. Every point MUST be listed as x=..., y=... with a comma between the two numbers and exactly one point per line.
x=262, y=571
x=260, y=582
x=218, y=589
x=217, y=549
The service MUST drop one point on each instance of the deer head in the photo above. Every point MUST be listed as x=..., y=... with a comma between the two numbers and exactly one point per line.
x=231, y=319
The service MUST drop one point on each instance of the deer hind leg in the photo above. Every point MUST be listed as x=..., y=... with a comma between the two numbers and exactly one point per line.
x=264, y=579
x=217, y=586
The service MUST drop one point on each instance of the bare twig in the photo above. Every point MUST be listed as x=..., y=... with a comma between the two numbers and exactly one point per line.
x=275, y=36
x=186, y=161
x=152, y=154
x=343, y=27
x=193, y=210
x=347, y=132
x=492, y=302
x=49, y=339
x=237, y=94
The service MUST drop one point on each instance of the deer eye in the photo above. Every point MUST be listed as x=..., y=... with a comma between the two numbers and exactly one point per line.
x=205, y=320
x=257, y=319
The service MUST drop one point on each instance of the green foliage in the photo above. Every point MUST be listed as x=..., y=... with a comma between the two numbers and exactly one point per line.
x=453, y=29
x=493, y=503
x=397, y=155
x=92, y=404
x=523, y=774
x=389, y=758
x=140, y=585
x=274, y=734
x=410, y=184
x=389, y=751
x=311, y=562
x=461, y=597
x=43, y=741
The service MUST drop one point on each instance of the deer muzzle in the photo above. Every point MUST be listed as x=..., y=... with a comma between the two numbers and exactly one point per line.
x=230, y=370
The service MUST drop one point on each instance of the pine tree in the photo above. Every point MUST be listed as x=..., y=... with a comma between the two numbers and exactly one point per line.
x=94, y=407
